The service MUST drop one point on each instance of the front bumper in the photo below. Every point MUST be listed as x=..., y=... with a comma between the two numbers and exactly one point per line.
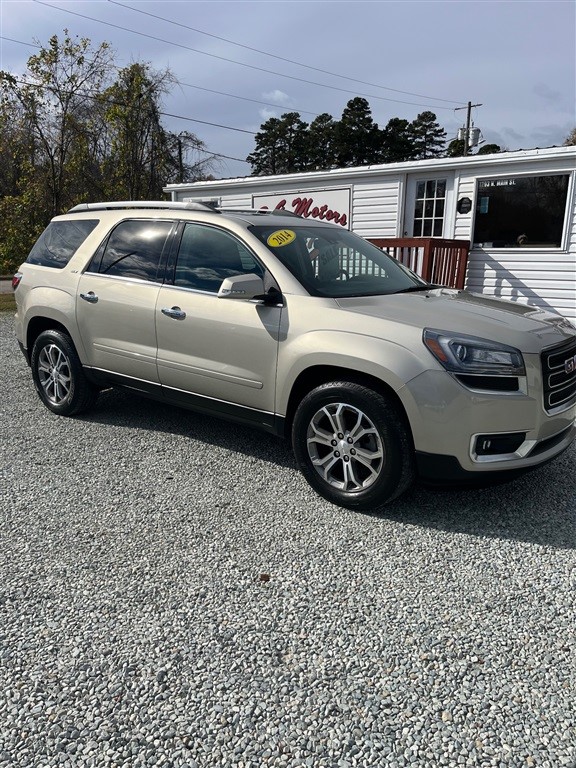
x=448, y=421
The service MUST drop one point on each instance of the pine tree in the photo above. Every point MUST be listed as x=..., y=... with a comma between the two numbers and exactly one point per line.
x=281, y=146
x=321, y=143
x=358, y=138
x=428, y=136
x=397, y=141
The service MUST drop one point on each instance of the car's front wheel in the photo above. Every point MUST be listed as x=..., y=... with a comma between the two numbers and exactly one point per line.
x=58, y=375
x=352, y=445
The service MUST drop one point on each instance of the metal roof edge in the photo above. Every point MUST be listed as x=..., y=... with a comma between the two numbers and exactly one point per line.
x=341, y=174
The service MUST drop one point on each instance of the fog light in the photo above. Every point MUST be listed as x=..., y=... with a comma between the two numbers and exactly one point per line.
x=494, y=445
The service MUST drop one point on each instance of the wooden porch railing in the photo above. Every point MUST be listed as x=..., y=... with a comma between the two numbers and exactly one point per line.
x=438, y=261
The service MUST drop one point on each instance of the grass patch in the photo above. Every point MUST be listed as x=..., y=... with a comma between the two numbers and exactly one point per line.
x=7, y=303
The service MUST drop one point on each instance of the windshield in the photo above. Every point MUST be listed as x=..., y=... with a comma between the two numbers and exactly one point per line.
x=332, y=262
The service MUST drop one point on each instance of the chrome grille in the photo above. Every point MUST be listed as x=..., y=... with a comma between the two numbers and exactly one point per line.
x=559, y=376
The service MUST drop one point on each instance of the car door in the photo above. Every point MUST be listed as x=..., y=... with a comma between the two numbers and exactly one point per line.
x=224, y=350
x=116, y=300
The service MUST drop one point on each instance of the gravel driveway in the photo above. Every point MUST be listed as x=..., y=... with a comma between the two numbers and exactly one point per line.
x=172, y=593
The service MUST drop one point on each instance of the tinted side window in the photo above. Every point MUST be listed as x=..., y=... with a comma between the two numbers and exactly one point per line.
x=59, y=242
x=134, y=249
x=208, y=255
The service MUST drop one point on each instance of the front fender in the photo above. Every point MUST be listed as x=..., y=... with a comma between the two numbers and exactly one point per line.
x=388, y=361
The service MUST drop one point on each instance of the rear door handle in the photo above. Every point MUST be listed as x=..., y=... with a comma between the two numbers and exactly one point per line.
x=175, y=312
x=90, y=297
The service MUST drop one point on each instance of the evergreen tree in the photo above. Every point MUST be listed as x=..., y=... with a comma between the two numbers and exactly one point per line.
x=281, y=146
x=456, y=148
x=489, y=149
x=428, y=136
x=397, y=141
x=358, y=138
x=321, y=142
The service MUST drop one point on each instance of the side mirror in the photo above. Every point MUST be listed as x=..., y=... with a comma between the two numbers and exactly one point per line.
x=242, y=287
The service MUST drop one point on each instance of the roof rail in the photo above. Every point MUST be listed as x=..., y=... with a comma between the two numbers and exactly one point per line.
x=262, y=211
x=169, y=204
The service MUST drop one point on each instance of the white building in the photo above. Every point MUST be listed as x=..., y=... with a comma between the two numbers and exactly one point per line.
x=517, y=209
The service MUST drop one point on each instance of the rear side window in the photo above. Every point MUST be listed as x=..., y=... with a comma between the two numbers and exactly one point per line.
x=59, y=242
x=134, y=249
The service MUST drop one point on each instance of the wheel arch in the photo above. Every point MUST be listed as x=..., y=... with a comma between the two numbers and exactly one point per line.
x=39, y=324
x=317, y=375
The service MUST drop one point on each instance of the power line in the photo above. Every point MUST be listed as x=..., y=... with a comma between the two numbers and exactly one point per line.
x=245, y=98
x=279, y=58
x=232, y=61
x=196, y=87
x=165, y=114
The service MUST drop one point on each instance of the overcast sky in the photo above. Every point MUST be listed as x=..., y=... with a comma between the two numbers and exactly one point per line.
x=239, y=63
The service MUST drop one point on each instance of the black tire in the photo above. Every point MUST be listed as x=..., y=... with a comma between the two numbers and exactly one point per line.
x=58, y=375
x=353, y=445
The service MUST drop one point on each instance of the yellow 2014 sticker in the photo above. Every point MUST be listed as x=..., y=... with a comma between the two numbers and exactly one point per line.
x=281, y=237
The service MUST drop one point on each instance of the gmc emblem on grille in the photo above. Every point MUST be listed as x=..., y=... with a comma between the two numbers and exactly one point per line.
x=570, y=365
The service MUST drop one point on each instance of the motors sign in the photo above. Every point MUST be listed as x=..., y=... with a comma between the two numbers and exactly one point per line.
x=331, y=205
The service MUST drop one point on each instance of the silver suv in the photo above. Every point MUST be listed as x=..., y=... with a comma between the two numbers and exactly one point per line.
x=303, y=329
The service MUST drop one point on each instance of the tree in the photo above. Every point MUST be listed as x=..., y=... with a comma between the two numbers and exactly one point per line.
x=140, y=155
x=456, y=148
x=57, y=100
x=321, y=143
x=428, y=136
x=69, y=133
x=489, y=149
x=397, y=141
x=571, y=139
x=281, y=146
x=358, y=138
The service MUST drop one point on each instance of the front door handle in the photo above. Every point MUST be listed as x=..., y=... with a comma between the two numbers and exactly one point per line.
x=90, y=297
x=175, y=312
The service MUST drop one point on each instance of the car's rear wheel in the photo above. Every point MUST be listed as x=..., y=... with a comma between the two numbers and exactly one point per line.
x=58, y=375
x=352, y=445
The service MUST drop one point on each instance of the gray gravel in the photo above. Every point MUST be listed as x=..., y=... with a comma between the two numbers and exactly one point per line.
x=173, y=594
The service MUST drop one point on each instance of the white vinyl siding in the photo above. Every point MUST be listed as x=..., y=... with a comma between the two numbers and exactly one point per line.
x=375, y=208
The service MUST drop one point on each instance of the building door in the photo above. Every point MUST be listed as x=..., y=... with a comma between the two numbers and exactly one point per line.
x=429, y=206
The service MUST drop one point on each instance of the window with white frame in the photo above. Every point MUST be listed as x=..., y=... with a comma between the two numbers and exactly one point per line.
x=429, y=208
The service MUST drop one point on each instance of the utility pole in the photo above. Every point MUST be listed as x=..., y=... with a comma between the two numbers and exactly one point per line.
x=468, y=121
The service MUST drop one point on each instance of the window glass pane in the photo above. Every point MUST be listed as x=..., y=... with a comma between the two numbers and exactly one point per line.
x=419, y=209
x=134, y=249
x=439, y=210
x=521, y=211
x=430, y=188
x=437, y=228
x=420, y=187
x=441, y=188
x=208, y=255
x=60, y=241
x=429, y=208
x=427, y=231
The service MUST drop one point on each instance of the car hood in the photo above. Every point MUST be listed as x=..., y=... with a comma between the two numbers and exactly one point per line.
x=447, y=309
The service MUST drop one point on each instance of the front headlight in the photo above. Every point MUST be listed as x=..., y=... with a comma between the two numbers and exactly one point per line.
x=463, y=354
